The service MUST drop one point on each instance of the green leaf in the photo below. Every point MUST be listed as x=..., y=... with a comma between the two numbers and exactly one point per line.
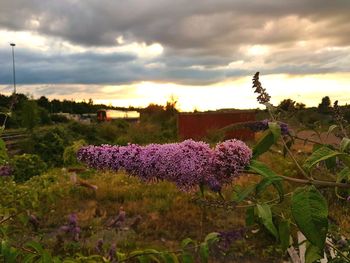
x=143, y=259
x=136, y=253
x=275, y=128
x=264, y=183
x=9, y=253
x=249, y=216
x=46, y=257
x=150, y=250
x=264, y=144
x=331, y=163
x=36, y=246
x=121, y=256
x=346, y=159
x=331, y=129
x=169, y=257
x=204, y=252
x=312, y=253
x=29, y=258
x=345, y=144
x=240, y=195
x=264, y=212
x=284, y=234
x=319, y=155
x=266, y=172
x=211, y=238
x=343, y=175
x=186, y=242
x=310, y=212
x=187, y=257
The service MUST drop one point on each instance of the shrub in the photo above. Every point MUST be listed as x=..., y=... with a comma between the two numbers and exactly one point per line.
x=59, y=118
x=50, y=145
x=109, y=131
x=70, y=153
x=26, y=166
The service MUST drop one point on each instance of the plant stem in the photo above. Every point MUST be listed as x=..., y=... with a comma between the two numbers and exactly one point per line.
x=339, y=251
x=305, y=140
x=11, y=216
x=288, y=150
x=309, y=181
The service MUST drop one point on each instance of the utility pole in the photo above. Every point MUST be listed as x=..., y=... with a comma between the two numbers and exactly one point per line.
x=13, y=67
x=13, y=100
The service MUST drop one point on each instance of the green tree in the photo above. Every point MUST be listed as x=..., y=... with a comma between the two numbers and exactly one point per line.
x=44, y=103
x=29, y=114
x=324, y=106
x=287, y=105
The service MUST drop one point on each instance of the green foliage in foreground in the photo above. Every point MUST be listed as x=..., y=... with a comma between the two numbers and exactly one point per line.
x=190, y=252
x=3, y=153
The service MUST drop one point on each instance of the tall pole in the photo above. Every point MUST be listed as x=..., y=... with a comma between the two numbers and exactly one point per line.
x=13, y=67
x=13, y=100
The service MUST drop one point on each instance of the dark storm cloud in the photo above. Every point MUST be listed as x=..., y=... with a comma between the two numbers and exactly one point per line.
x=178, y=24
x=92, y=68
x=199, y=38
x=34, y=67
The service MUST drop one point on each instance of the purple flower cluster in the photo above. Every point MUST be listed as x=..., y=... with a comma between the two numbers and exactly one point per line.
x=257, y=126
x=284, y=128
x=264, y=125
x=229, y=158
x=72, y=228
x=187, y=164
x=5, y=170
x=111, y=255
x=226, y=238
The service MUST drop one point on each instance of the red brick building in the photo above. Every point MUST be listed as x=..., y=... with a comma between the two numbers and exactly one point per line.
x=199, y=125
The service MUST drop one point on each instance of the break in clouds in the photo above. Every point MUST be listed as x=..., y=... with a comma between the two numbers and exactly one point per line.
x=183, y=42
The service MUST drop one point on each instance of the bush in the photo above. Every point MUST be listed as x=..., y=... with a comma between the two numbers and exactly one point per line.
x=88, y=132
x=70, y=153
x=50, y=145
x=26, y=166
x=110, y=131
x=59, y=118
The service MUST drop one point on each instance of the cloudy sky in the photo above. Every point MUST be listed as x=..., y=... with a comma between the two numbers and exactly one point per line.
x=204, y=53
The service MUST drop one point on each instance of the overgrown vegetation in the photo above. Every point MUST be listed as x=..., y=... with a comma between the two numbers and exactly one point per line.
x=293, y=196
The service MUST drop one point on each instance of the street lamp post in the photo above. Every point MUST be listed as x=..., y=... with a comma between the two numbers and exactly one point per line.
x=13, y=67
x=13, y=100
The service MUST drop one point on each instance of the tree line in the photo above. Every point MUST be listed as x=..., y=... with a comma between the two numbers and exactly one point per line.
x=28, y=112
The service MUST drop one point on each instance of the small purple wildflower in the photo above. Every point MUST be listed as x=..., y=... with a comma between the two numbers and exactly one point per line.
x=119, y=219
x=111, y=253
x=99, y=246
x=264, y=125
x=257, y=126
x=72, y=228
x=73, y=219
x=5, y=170
x=33, y=220
x=284, y=128
x=226, y=238
x=348, y=199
